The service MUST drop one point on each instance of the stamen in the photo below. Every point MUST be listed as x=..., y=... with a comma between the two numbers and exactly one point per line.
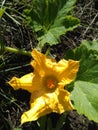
x=51, y=83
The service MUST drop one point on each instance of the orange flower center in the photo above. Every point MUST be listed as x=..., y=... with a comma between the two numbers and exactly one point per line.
x=50, y=82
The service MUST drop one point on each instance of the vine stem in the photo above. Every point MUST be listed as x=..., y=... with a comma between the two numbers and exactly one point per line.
x=17, y=51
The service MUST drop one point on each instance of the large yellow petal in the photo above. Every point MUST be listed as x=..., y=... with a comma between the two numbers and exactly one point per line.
x=42, y=64
x=38, y=108
x=25, y=82
x=64, y=103
x=69, y=73
x=57, y=101
x=61, y=66
x=39, y=61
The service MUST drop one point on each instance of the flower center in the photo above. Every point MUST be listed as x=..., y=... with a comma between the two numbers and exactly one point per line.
x=51, y=82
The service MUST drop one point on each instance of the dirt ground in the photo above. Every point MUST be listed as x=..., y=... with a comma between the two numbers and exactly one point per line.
x=14, y=65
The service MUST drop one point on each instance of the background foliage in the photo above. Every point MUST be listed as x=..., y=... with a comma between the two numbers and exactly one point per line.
x=51, y=19
x=85, y=92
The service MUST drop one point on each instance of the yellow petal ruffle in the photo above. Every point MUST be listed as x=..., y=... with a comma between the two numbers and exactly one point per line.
x=25, y=82
x=57, y=101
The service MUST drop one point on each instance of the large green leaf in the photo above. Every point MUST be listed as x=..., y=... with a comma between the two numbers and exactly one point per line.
x=85, y=97
x=84, y=90
x=50, y=19
x=52, y=36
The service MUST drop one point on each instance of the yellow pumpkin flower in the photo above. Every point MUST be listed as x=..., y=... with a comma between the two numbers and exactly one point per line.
x=46, y=85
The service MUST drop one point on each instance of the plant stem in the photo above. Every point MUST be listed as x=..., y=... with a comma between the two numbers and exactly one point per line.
x=18, y=51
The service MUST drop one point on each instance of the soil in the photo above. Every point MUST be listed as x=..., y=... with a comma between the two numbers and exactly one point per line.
x=74, y=121
x=14, y=103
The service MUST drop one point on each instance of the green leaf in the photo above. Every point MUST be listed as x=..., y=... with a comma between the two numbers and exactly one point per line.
x=91, y=45
x=85, y=97
x=52, y=36
x=84, y=90
x=2, y=11
x=61, y=121
x=50, y=19
x=88, y=70
x=41, y=122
